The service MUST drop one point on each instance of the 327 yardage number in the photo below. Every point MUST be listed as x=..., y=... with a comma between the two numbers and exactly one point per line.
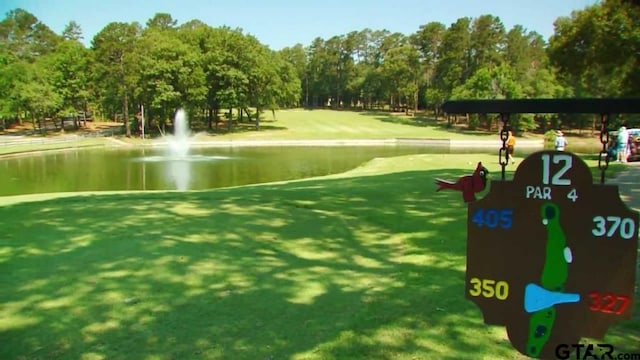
x=608, y=303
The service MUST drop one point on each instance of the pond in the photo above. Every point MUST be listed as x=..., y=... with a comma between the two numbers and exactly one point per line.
x=205, y=168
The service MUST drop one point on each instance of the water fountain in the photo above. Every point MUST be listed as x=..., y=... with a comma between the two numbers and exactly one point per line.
x=179, y=169
x=179, y=143
x=176, y=159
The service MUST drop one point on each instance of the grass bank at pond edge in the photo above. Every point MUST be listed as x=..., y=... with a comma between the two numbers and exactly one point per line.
x=363, y=265
x=30, y=146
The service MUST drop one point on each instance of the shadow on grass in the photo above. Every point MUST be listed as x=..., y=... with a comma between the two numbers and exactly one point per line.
x=244, y=127
x=421, y=121
x=358, y=268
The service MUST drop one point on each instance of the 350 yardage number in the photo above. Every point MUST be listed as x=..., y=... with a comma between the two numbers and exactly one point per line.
x=489, y=288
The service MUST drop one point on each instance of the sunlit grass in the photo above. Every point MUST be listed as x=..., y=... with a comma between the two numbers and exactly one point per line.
x=88, y=142
x=368, y=264
x=330, y=124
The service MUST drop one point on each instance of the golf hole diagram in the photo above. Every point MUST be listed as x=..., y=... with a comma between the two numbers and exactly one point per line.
x=551, y=255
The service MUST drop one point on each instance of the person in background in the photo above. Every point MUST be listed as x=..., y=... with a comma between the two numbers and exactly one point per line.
x=511, y=144
x=561, y=142
x=623, y=144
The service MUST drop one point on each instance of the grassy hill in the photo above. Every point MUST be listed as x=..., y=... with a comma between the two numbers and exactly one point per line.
x=332, y=124
x=368, y=264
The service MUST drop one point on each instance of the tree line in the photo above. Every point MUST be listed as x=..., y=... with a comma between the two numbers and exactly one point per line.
x=211, y=71
x=159, y=67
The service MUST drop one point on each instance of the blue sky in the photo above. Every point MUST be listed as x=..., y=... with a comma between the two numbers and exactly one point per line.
x=280, y=23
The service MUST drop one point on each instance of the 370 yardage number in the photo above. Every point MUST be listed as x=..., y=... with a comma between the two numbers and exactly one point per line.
x=610, y=225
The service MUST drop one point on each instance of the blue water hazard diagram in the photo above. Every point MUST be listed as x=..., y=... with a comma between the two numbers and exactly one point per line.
x=538, y=298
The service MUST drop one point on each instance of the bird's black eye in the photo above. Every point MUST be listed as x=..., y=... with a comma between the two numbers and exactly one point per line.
x=482, y=173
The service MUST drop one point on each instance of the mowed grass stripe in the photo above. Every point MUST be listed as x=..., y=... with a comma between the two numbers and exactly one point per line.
x=331, y=124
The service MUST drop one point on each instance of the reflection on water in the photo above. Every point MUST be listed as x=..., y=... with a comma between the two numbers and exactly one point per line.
x=189, y=158
x=177, y=168
x=180, y=172
x=202, y=168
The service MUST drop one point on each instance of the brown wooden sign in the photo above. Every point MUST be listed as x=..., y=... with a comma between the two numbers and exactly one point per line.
x=551, y=255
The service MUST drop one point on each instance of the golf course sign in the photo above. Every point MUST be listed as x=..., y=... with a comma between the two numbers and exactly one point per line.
x=551, y=255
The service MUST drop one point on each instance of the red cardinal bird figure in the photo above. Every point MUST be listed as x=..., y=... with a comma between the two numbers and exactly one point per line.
x=469, y=185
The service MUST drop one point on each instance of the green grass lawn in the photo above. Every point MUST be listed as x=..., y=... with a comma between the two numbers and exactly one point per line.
x=369, y=264
x=301, y=124
x=85, y=142
x=331, y=124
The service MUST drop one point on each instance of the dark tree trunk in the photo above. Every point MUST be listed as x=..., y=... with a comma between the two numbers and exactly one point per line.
x=257, y=118
x=84, y=114
x=306, y=101
x=125, y=111
x=149, y=117
x=125, y=99
x=485, y=120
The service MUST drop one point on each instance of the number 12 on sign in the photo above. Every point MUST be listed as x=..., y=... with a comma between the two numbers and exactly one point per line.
x=557, y=178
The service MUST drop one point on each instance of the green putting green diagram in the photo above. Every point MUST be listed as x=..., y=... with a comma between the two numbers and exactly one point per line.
x=540, y=300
